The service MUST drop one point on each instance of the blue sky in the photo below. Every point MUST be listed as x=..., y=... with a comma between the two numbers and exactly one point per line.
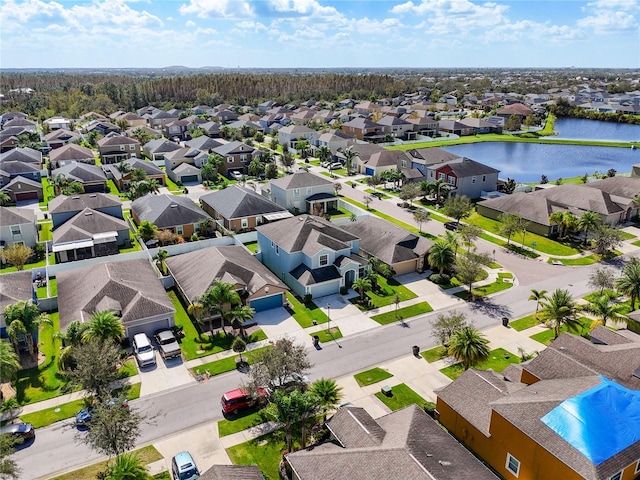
x=319, y=33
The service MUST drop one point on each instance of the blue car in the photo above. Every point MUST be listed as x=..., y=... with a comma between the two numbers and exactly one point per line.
x=83, y=417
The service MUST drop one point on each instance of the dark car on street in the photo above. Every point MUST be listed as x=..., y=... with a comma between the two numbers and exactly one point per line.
x=451, y=225
x=84, y=416
x=21, y=432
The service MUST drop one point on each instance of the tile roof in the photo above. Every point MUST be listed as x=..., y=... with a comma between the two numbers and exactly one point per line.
x=16, y=216
x=300, y=180
x=132, y=283
x=238, y=202
x=196, y=271
x=75, y=203
x=15, y=287
x=167, y=211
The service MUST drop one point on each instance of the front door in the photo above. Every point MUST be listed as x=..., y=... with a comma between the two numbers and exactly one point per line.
x=349, y=278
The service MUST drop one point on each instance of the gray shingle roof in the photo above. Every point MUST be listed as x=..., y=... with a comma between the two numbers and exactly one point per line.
x=238, y=202
x=13, y=167
x=149, y=168
x=196, y=271
x=627, y=187
x=203, y=143
x=581, y=197
x=310, y=276
x=117, y=140
x=85, y=224
x=133, y=283
x=300, y=180
x=27, y=155
x=388, y=242
x=160, y=145
x=167, y=211
x=233, y=147
x=71, y=151
x=430, y=156
x=81, y=172
x=15, y=287
x=16, y=216
x=232, y=472
x=532, y=208
x=465, y=167
x=75, y=203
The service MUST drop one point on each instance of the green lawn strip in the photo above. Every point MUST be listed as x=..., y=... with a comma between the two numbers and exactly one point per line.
x=265, y=452
x=385, y=295
x=305, y=315
x=27, y=266
x=129, y=369
x=435, y=354
x=47, y=192
x=403, y=313
x=135, y=246
x=627, y=235
x=147, y=455
x=172, y=186
x=372, y=376
x=162, y=476
x=41, y=292
x=377, y=193
x=241, y=421
x=327, y=336
x=593, y=296
x=588, y=260
x=524, y=323
x=547, y=336
x=113, y=189
x=226, y=364
x=252, y=246
x=45, y=228
x=497, y=286
x=498, y=360
x=542, y=244
x=401, y=396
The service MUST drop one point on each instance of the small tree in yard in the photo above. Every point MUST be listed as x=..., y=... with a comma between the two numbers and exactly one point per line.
x=421, y=216
x=458, y=207
x=510, y=225
x=127, y=466
x=239, y=346
x=17, y=255
x=289, y=409
x=367, y=200
x=469, y=234
x=362, y=285
x=468, y=268
x=409, y=192
x=274, y=366
x=328, y=393
x=538, y=296
x=446, y=325
x=601, y=278
x=147, y=230
x=96, y=367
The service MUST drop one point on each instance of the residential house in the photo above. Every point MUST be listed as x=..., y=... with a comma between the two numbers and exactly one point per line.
x=292, y=134
x=185, y=173
x=455, y=127
x=116, y=148
x=58, y=123
x=26, y=125
x=92, y=177
x=232, y=472
x=102, y=127
x=204, y=143
x=159, y=118
x=14, y=287
x=402, y=250
x=18, y=225
x=169, y=212
x=312, y=256
x=130, y=289
x=188, y=155
x=405, y=444
x=210, y=129
x=147, y=110
x=22, y=154
x=132, y=119
x=177, y=129
x=333, y=139
x=570, y=412
x=7, y=116
x=367, y=107
x=480, y=125
x=133, y=131
x=9, y=138
x=267, y=105
x=122, y=179
x=203, y=110
x=238, y=208
x=71, y=153
x=423, y=125
x=195, y=272
x=372, y=159
x=63, y=207
x=89, y=234
x=303, y=117
x=11, y=170
x=237, y=155
x=302, y=192
x=397, y=127
x=22, y=188
x=60, y=138
x=623, y=191
x=365, y=129
x=225, y=116
x=156, y=149
x=518, y=109
x=536, y=210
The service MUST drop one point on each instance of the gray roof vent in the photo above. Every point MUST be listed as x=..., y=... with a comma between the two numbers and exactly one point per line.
x=173, y=205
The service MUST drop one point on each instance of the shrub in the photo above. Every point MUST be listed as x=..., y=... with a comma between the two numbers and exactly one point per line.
x=344, y=290
x=307, y=298
x=440, y=278
x=429, y=408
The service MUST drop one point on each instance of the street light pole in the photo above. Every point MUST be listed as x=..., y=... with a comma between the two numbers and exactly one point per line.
x=329, y=317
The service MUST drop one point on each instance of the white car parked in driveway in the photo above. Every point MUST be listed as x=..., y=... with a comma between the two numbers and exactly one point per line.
x=143, y=350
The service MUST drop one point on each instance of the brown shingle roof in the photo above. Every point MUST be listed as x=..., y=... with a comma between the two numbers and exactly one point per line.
x=232, y=472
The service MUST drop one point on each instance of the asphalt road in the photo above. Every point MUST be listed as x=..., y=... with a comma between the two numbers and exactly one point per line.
x=58, y=448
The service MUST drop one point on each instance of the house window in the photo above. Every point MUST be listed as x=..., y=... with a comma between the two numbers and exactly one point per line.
x=441, y=176
x=244, y=223
x=229, y=159
x=309, y=190
x=403, y=163
x=122, y=147
x=273, y=244
x=296, y=192
x=277, y=250
x=513, y=464
x=617, y=476
x=243, y=158
x=324, y=260
x=431, y=174
x=196, y=227
x=15, y=230
x=473, y=179
x=132, y=147
x=179, y=230
x=484, y=178
x=452, y=180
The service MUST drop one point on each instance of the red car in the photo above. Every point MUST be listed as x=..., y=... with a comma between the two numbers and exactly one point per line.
x=240, y=399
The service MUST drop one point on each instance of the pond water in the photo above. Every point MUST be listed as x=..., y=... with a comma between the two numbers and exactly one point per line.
x=526, y=162
x=596, y=130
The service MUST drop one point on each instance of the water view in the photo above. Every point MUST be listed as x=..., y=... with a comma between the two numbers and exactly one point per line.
x=526, y=162
x=595, y=130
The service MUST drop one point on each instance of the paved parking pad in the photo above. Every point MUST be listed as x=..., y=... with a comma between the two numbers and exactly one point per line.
x=165, y=375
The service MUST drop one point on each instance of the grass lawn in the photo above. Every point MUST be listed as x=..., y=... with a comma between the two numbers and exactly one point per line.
x=226, y=364
x=252, y=246
x=588, y=260
x=265, y=452
x=498, y=360
x=401, y=396
x=385, y=296
x=627, y=235
x=497, y=286
x=27, y=266
x=41, y=292
x=542, y=244
x=636, y=243
x=338, y=213
x=372, y=376
x=305, y=315
x=112, y=188
x=327, y=336
x=172, y=186
x=403, y=313
x=47, y=192
x=129, y=369
x=43, y=418
x=435, y=354
x=147, y=454
x=44, y=233
x=524, y=323
x=42, y=382
x=547, y=336
x=378, y=193
x=135, y=246
x=593, y=296
x=242, y=421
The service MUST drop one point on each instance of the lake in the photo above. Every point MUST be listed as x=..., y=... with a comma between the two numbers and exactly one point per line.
x=596, y=130
x=526, y=162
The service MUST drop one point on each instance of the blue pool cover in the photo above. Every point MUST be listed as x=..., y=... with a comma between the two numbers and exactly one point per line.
x=599, y=422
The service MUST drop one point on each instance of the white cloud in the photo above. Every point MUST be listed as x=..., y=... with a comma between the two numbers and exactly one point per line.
x=611, y=16
x=190, y=23
x=303, y=7
x=218, y=8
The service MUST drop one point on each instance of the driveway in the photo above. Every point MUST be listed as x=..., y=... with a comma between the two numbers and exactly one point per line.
x=165, y=375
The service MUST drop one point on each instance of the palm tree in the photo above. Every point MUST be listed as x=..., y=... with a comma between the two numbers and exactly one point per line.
x=9, y=361
x=538, y=296
x=104, y=325
x=349, y=157
x=286, y=410
x=469, y=346
x=239, y=315
x=441, y=256
x=127, y=466
x=219, y=300
x=323, y=153
x=328, y=392
x=160, y=257
x=629, y=283
x=453, y=239
x=605, y=310
x=589, y=221
x=560, y=309
x=123, y=167
x=4, y=199
x=24, y=318
x=147, y=230
x=362, y=285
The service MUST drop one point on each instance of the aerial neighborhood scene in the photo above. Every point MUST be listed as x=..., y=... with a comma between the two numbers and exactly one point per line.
x=319, y=240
